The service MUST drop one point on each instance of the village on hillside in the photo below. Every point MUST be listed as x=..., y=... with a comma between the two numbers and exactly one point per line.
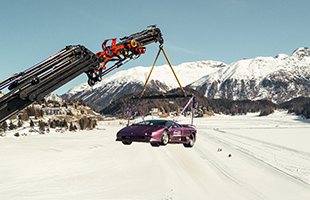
x=54, y=113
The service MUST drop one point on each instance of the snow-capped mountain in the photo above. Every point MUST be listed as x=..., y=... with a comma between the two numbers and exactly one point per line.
x=133, y=80
x=278, y=79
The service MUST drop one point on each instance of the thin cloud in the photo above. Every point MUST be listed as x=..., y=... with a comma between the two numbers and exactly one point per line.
x=182, y=50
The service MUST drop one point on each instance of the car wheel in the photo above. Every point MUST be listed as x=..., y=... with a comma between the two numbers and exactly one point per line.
x=191, y=141
x=164, y=138
x=127, y=142
x=154, y=144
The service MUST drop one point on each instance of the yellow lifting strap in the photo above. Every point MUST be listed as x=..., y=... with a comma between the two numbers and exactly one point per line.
x=161, y=49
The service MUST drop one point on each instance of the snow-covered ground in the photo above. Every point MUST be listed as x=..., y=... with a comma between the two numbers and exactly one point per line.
x=270, y=159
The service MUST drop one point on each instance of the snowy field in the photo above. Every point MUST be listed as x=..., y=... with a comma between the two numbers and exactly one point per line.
x=270, y=159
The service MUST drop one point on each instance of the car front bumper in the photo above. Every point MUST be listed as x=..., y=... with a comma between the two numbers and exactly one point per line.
x=139, y=138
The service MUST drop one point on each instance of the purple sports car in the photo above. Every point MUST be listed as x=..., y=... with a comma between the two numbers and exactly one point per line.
x=158, y=132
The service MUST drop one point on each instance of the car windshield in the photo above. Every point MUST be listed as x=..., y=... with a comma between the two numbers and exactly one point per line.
x=152, y=122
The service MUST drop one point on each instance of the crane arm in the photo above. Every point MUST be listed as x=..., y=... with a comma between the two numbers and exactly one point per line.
x=36, y=82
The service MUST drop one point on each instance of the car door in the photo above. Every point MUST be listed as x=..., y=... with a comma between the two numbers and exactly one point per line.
x=175, y=131
x=186, y=132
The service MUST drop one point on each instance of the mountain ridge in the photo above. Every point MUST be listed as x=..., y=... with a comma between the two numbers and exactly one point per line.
x=277, y=79
x=132, y=80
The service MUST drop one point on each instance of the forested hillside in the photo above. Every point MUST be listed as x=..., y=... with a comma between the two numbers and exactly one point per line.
x=206, y=105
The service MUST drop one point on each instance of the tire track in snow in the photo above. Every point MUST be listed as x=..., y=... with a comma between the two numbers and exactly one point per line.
x=291, y=162
x=189, y=165
x=218, y=165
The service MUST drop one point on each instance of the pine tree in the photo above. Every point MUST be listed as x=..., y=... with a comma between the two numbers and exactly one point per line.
x=37, y=113
x=57, y=122
x=4, y=126
x=65, y=124
x=89, y=123
x=71, y=127
x=41, y=126
x=20, y=123
x=31, y=124
x=84, y=123
x=12, y=126
x=53, y=124
x=266, y=111
x=81, y=123
x=95, y=123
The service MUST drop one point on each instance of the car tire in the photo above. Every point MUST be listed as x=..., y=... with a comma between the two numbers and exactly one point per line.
x=154, y=144
x=164, y=138
x=191, y=141
x=127, y=142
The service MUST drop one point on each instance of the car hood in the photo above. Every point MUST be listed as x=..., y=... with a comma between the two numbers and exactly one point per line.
x=140, y=129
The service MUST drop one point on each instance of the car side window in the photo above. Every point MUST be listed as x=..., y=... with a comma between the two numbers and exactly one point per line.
x=177, y=125
x=169, y=123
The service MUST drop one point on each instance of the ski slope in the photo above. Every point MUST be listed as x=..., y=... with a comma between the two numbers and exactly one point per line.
x=270, y=159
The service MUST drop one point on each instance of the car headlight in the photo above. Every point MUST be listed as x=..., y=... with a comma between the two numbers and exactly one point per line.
x=118, y=135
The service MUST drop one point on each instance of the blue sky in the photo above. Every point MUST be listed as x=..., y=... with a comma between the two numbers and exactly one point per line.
x=221, y=30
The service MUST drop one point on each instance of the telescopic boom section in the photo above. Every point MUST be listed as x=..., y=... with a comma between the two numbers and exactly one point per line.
x=43, y=78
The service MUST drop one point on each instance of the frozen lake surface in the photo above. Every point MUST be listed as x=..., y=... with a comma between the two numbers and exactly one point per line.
x=270, y=159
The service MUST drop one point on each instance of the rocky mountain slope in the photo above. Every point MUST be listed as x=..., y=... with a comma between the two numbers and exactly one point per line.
x=278, y=79
x=133, y=80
